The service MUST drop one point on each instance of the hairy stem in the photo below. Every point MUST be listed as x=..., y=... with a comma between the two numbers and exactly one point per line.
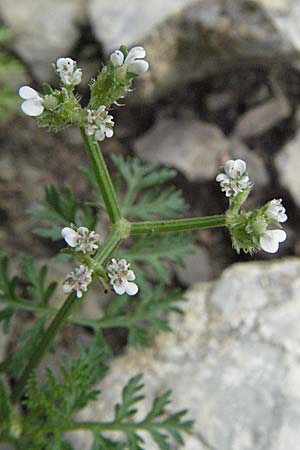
x=173, y=225
x=102, y=177
x=44, y=344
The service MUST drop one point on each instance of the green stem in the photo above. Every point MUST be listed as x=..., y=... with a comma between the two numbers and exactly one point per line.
x=102, y=177
x=111, y=243
x=44, y=344
x=167, y=226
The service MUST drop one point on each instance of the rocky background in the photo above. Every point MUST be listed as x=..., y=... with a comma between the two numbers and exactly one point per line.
x=224, y=83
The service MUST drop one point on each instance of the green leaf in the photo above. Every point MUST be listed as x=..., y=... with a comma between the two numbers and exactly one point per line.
x=37, y=288
x=130, y=396
x=158, y=252
x=27, y=342
x=63, y=209
x=144, y=198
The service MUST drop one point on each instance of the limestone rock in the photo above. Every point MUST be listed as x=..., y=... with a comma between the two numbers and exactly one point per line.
x=192, y=146
x=232, y=361
x=261, y=118
x=196, y=148
x=197, y=267
x=188, y=40
x=43, y=31
x=287, y=163
x=115, y=23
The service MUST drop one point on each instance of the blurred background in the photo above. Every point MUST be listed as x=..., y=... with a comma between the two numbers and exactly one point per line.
x=224, y=82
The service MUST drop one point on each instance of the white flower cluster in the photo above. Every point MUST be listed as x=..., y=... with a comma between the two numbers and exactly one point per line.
x=83, y=240
x=78, y=280
x=99, y=123
x=276, y=211
x=121, y=277
x=270, y=239
x=68, y=72
x=234, y=179
x=134, y=61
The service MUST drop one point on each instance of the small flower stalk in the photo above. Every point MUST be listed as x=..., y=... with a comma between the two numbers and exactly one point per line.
x=121, y=277
x=78, y=280
x=82, y=240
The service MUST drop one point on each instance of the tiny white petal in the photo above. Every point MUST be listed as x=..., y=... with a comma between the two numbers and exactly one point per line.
x=27, y=93
x=117, y=58
x=99, y=135
x=130, y=275
x=135, y=53
x=119, y=289
x=109, y=133
x=240, y=166
x=270, y=240
x=222, y=177
x=70, y=236
x=131, y=288
x=33, y=107
x=67, y=288
x=138, y=67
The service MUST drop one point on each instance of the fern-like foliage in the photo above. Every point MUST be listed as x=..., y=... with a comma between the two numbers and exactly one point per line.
x=148, y=313
x=32, y=284
x=164, y=428
x=51, y=405
x=144, y=198
x=63, y=209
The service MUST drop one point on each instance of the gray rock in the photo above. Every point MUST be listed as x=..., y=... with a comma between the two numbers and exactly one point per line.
x=196, y=148
x=197, y=267
x=261, y=118
x=43, y=31
x=232, y=361
x=114, y=24
x=193, y=147
x=287, y=163
x=188, y=40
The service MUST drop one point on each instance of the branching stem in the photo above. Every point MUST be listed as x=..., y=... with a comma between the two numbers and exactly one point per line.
x=102, y=177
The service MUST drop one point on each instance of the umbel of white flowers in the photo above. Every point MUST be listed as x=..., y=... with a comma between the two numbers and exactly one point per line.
x=234, y=180
x=82, y=240
x=68, y=72
x=78, y=280
x=121, y=277
x=99, y=123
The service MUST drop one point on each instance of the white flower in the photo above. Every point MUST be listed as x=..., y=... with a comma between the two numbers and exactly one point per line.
x=121, y=277
x=99, y=123
x=83, y=240
x=276, y=211
x=78, y=280
x=270, y=240
x=67, y=69
x=234, y=179
x=33, y=104
x=134, y=61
